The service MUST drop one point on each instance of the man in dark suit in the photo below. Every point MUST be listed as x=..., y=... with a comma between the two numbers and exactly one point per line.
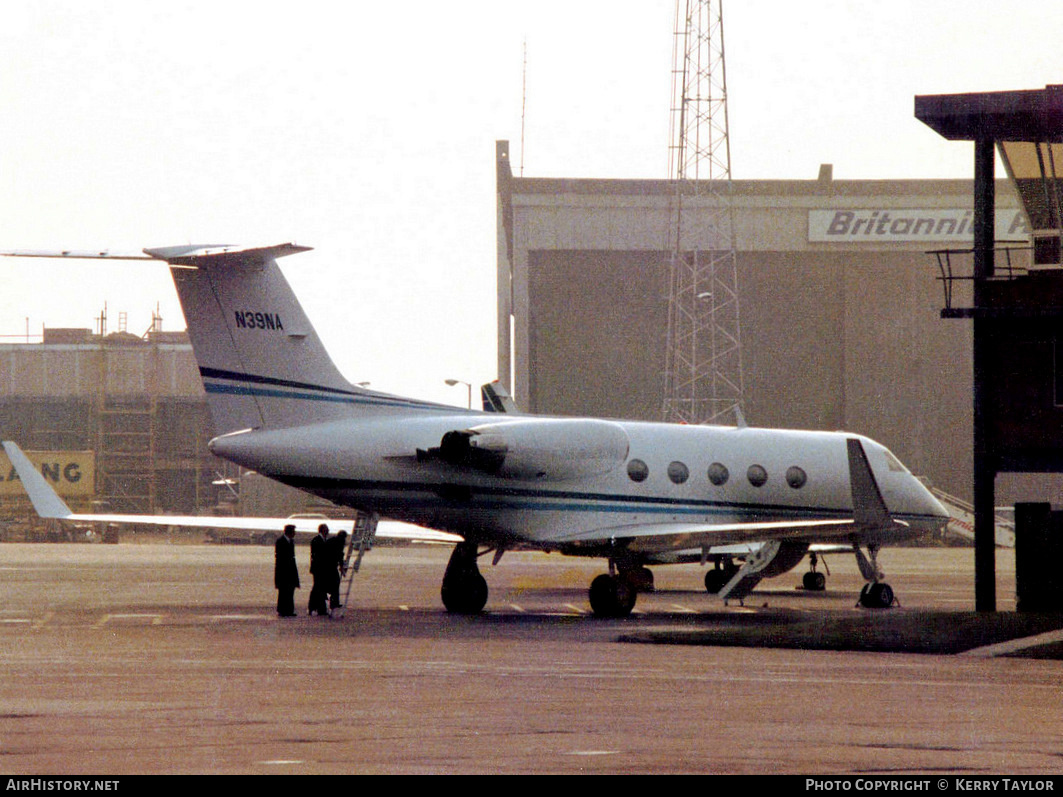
x=286, y=572
x=319, y=570
x=335, y=547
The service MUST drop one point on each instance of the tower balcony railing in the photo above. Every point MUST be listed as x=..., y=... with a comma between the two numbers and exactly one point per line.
x=956, y=268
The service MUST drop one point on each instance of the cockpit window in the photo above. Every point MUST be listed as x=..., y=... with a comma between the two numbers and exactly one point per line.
x=894, y=463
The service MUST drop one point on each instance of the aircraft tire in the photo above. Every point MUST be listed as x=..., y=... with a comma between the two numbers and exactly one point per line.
x=466, y=595
x=642, y=579
x=814, y=582
x=612, y=597
x=717, y=578
x=883, y=596
x=877, y=596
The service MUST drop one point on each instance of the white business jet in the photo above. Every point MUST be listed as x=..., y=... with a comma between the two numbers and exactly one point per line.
x=632, y=493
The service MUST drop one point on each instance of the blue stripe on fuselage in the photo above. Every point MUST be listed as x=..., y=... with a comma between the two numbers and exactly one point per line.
x=554, y=500
x=236, y=384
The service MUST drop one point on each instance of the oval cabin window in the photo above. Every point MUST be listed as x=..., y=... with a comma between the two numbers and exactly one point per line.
x=678, y=472
x=637, y=470
x=757, y=475
x=718, y=474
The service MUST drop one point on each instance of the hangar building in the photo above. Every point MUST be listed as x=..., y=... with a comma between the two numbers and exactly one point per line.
x=840, y=306
x=116, y=420
x=840, y=312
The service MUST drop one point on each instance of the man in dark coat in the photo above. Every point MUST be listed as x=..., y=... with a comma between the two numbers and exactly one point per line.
x=335, y=546
x=319, y=570
x=286, y=572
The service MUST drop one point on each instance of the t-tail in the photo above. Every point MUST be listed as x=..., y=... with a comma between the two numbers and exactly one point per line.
x=262, y=363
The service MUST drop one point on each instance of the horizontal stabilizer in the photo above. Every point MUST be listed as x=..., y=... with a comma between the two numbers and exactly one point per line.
x=177, y=255
x=191, y=255
x=77, y=254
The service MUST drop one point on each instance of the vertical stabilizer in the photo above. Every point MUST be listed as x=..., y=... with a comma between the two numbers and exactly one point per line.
x=262, y=363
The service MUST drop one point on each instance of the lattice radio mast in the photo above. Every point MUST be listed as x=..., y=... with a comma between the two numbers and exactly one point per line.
x=703, y=370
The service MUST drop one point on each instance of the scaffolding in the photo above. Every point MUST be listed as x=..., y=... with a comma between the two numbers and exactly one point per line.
x=134, y=402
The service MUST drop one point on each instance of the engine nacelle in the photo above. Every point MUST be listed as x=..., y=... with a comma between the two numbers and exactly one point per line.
x=547, y=449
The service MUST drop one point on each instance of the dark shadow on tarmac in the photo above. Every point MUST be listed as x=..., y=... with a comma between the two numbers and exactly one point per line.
x=878, y=631
x=890, y=631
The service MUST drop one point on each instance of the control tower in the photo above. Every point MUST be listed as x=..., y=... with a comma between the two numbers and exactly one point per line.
x=1013, y=296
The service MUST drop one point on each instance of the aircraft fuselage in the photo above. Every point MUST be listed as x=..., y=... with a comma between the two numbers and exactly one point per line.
x=664, y=474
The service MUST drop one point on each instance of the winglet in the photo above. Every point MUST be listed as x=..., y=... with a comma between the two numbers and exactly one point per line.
x=869, y=510
x=45, y=500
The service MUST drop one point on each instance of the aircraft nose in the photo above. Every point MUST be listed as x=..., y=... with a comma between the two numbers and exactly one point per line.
x=930, y=505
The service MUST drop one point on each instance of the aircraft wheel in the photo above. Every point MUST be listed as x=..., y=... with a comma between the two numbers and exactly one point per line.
x=717, y=578
x=612, y=597
x=876, y=596
x=466, y=595
x=814, y=582
x=641, y=578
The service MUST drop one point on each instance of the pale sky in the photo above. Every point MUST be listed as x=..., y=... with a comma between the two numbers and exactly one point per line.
x=367, y=131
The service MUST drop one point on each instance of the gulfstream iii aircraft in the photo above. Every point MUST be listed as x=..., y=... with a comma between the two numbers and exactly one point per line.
x=632, y=493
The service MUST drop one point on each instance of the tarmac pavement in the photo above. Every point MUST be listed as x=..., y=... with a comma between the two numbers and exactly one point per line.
x=169, y=658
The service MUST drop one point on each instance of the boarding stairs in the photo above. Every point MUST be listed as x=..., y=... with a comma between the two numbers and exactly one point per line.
x=363, y=530
x=962, y=523
x=750, y=573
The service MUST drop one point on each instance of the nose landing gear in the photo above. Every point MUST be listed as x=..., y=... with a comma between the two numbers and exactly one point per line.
x=876, y=594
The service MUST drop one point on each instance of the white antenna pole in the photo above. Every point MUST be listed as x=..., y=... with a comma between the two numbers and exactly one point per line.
x=523, y=104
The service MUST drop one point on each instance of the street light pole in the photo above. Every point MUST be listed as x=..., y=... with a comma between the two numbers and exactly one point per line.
x=453, y=382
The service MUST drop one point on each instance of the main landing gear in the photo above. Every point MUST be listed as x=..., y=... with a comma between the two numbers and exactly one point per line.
x=464, y=590
x=717, y=578
x=813, y=580
x=613, y=594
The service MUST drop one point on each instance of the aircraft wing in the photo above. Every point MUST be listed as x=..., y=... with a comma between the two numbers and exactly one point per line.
x=739, y=536
x=49, y=505
x=748, y=548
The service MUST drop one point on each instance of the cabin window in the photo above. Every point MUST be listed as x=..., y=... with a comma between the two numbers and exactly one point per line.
x=796, y=477
x=757, y=475
x=678, y=472
x=718, y=474
x=637, y=470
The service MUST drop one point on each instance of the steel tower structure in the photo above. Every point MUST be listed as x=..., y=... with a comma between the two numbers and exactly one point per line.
x=703, y=369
